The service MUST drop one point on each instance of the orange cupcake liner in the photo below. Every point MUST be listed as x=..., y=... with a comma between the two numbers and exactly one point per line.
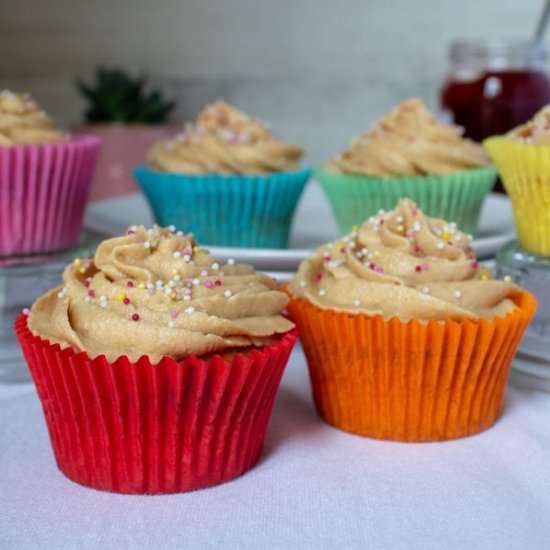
x=409, y=381
x=143, y=428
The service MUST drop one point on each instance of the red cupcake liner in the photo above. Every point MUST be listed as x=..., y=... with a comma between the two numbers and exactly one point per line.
x=43, y=193
x=143, y=428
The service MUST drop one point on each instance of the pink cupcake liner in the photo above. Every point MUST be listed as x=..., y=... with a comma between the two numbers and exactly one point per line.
x=43, y=193
x=143, y=428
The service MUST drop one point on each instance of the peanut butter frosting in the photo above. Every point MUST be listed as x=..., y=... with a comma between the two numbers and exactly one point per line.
x=23, y=123
x=410, y=142
x=403, y=264
x=154, y=292
x=536, y=130
x=224, y=141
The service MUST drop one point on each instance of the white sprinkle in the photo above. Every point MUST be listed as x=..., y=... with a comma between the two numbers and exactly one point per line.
x=458, y=238
x=426, y=290
x=171, y=324
x=322, y=292
x=216, y=265
x=196, y=282
x=352, y=244
x=302, y=284
x=150, y=285
x=88, y=299
x=150, y=231
x=104, y=305
x=326, y=254
x=230, y=261
x=147, y=244
x=470, y=238
x=440, y=246
x=26, y=311
x=356, y=303
x=381, y=212
x=458, y=294
x=61, y=294
x=187, y=297
x=133, y=228
x=177, y=278
x=228, y=294
x=172, y=284
x=186, y=257
x=160, y=282
x=172, y=228
x=167, y=290
x=417, y=226
x=179, y=233
x=190, y=310
x=399, y=219
x=103, y=298
x=177, y=254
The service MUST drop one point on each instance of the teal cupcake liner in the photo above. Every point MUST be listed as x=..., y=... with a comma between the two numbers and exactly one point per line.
x=456, y=197
x=225, y=210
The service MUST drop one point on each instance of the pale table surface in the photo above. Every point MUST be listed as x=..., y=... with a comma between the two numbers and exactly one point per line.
x=314, y=487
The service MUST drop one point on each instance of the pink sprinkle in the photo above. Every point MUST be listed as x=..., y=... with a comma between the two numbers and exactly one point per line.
x=130, y=232
x=150, y=291
x=343, y=250
x=414, y=211
x=126, y=301
x=475, y=265
x=204, y=273
x=187, y=290
x=86, y=282
x=426, y=266
x=26, y=311
x=173, y=314
x=129, y=284
x=379, y=269
x=218, y=283
x=327, y=258
x=318, y=277
x=135, y=317
x=91, y=293
x=186, y=251
x=382, y=221
x=209, y=284
x=371, y=265
x=418, y=268
x=417, y=249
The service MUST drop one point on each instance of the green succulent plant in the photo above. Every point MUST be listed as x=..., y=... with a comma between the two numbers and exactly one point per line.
x=115, y=96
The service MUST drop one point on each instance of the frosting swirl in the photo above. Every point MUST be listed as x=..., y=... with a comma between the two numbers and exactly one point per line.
x=408, y=142
x=406, y=265
x=224, y=141
x=536, y=130
x=155, y=293
x=23, y=123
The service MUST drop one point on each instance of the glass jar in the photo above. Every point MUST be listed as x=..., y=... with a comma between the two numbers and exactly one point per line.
x=494, y=86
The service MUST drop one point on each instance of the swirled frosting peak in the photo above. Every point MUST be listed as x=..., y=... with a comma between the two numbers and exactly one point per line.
x=406, y=265
x=224, y=141
x=23, y=123
x=154, y=292
x=407, y=142
x=536, y=130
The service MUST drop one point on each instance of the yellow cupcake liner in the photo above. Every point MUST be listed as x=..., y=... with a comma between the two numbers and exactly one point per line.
x=525, y=172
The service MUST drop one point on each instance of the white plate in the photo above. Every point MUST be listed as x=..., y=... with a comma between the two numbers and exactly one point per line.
x=313, y=225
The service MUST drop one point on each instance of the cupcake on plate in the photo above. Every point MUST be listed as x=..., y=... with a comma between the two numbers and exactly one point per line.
x=226, y=179
x=45, y=177
x=409, y=154
x=406, y=336
x=156, y=366
x=522, y=158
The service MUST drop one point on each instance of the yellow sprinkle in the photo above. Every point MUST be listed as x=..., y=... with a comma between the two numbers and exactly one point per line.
x=195, y=249
x=355, y=228
x=120, y=297
x=172, y=297
x=400, y=228
x=77, y=261
x=507, y=278
x=445, y=235
x=376, y=253
x=82, y=270
x=174, y=271
x=484, y=277
x=141, y=285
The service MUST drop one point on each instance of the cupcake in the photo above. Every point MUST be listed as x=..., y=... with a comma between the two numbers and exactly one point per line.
x=45, y=176
x=522, y=158
x=409, y=154
x=406, y=336
x=226, y=179
x=156, y=366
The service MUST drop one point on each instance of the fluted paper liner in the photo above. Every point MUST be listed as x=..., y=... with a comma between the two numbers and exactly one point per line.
x=408, y=381
x=457, y=197
x=226, y=210
x=43, y=193
x=525, y=172
x=154, y=428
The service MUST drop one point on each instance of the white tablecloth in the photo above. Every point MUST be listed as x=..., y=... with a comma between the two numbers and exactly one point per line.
x=315, y=487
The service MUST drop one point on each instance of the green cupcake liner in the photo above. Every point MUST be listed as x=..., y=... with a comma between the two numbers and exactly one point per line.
x=456, y=197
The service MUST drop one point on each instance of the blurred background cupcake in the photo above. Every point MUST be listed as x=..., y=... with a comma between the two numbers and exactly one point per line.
x=409, y=154
x=156, y=366
x=406, y=336
x=45, y=176
x=522, y=158
x=226, y=179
